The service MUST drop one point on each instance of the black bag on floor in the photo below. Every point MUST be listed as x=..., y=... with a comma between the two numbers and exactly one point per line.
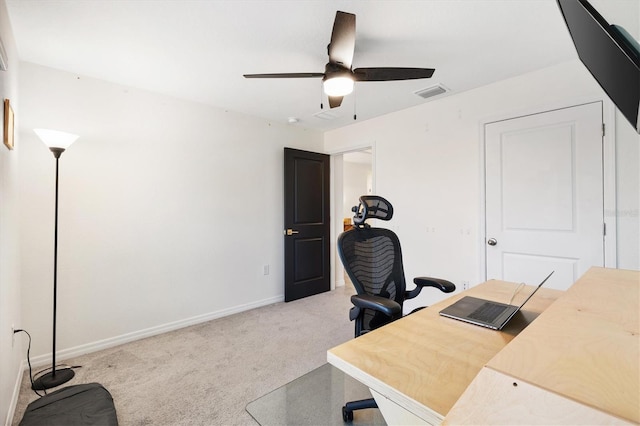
x=87, y=404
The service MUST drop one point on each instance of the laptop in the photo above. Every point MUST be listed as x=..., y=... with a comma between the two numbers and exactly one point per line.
x=485, y=313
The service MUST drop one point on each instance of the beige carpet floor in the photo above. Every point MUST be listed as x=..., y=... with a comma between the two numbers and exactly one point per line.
x=206, y=374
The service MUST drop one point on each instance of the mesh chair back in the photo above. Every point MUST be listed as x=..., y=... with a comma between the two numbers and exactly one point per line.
x=371, y=207
x=373, y=260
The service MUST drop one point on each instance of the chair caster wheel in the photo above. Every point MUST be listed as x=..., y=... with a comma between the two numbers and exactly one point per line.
x=347, y=415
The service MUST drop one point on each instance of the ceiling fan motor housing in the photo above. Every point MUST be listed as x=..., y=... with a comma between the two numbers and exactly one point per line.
x=332, y=70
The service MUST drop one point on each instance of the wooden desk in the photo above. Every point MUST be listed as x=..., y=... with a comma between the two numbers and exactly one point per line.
x=578, y=363
x=421, y=364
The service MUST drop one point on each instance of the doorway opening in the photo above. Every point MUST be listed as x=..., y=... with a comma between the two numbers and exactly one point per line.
x=353, y=176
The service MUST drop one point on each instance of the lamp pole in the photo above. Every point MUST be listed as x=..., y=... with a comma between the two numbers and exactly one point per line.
x=56, y=152
x=55, y=377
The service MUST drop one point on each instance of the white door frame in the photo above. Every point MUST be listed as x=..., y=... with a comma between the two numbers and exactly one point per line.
x=336, y=193
x=608, y=184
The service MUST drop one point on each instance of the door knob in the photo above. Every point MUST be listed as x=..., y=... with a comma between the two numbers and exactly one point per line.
x=492, y=241
x=290, y=232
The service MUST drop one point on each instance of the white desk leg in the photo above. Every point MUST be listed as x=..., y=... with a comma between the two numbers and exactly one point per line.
x=394, y=414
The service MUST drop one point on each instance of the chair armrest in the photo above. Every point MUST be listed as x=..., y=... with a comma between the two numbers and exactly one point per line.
x=421, y=282
x=388, y=307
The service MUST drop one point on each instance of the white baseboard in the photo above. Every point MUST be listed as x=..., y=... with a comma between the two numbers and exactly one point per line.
x=45, y=359
x=99, y=345
x=16, y=393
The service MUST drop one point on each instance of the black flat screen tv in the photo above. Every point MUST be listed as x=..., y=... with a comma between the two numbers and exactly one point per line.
x=610, y=54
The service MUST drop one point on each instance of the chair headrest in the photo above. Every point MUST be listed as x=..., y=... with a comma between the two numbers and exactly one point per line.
x=371, y=207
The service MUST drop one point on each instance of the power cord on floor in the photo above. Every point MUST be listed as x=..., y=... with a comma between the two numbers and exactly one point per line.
x=19, y=330
x=39, y=373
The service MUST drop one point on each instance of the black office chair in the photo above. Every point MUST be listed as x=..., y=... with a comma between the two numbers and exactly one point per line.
x=373, y=260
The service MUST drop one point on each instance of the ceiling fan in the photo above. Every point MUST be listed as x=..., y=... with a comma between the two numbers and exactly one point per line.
x=338, y=77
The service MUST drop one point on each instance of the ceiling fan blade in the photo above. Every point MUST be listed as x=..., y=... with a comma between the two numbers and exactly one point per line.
x=335, y=101
x=286, y=75
x=343, y=39
x=393, y=73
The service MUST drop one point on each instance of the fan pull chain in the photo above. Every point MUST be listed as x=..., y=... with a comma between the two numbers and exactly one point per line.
x=321, y=105
x=354, y=104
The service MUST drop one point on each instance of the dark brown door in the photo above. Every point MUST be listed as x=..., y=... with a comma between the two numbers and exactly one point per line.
x=307, y=266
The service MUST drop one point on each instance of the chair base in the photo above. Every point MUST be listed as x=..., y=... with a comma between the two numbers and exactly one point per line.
x=350, y=407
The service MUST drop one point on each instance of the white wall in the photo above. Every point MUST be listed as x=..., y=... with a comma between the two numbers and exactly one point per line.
x=428, y=164
x=10, y=353
x=168, y=210
x=357, y=182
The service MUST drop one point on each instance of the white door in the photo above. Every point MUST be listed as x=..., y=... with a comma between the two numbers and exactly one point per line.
x=544, y=196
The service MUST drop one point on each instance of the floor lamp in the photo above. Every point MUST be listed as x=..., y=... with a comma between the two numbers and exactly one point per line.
x=57, y=143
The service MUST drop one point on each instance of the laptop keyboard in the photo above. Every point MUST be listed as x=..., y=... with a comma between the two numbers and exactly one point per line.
x=487, y=312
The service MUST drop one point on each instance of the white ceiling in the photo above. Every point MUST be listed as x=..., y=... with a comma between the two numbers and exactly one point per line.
x=199, y=49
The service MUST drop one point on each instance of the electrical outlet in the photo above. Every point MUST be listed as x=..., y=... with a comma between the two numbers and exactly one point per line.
x=465, y=285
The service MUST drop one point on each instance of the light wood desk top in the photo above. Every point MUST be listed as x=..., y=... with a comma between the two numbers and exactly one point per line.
x=424, y=362
x=582, y=354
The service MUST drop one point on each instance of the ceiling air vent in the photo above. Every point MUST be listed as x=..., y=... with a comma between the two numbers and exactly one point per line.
x=432, y=91
x=325, y=115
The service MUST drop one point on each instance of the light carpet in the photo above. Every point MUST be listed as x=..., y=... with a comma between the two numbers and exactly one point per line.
x=207, y=374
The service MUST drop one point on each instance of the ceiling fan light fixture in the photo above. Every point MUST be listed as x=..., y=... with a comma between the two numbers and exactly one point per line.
x=339, y=76
x=340, y=85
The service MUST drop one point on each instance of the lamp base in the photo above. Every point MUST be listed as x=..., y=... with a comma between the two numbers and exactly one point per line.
x=53, y=379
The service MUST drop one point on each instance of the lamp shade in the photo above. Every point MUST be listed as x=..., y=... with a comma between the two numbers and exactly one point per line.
x=338, y=86
x=55, y=138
